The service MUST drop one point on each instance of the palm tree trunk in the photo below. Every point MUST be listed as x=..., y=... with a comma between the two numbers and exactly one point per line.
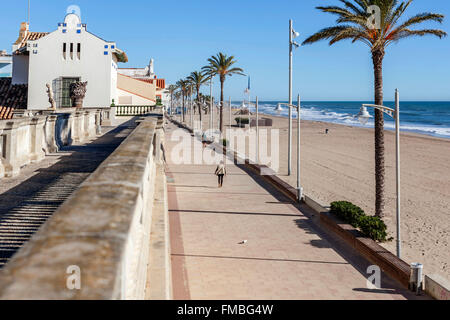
x=222, y=81
x=183, y=107
x=377, y=57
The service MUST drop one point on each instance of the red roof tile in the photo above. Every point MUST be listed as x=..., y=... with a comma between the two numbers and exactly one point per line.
x=30, y=36
x=6, y=113
x=13, y=96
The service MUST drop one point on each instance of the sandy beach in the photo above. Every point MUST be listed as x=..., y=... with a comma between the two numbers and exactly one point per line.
x=340, y=166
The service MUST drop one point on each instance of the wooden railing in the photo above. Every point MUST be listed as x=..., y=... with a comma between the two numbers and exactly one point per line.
x=134, y=110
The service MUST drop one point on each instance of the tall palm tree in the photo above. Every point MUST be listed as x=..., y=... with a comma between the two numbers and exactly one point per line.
x=183, y=84
x=198, y=78
x=355, y=23
x=171, y=91
x=222, y=65
x=206, y=101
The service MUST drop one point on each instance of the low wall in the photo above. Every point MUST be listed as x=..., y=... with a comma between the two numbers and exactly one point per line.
x=99, y=238
x=438, y=287
x=28, y=139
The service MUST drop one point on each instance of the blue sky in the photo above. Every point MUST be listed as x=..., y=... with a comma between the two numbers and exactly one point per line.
x=181, y=35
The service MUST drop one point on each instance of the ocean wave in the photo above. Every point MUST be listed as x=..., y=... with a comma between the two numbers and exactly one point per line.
x=314, y=112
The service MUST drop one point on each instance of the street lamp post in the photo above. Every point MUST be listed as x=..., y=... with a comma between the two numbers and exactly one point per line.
x=210, y=104
x=211, y=125
x=298, y=108
x=218, y=115
x=363, y=117
x=292, y=35
x=256, y=104
x=257, y=130
x=192, y=111
x=229, y=105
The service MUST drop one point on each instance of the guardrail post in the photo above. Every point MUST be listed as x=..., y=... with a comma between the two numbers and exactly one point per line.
x=50, y=134
x=8, y=150
x=37, y=139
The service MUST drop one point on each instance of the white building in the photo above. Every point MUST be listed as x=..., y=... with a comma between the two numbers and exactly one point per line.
x=63, y=56
x=140, y=73
x=137, y=83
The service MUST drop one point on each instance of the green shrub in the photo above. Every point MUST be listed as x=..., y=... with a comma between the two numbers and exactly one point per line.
x=372, y=227
x=240, y=120
x=348, y=212
x=224, y=142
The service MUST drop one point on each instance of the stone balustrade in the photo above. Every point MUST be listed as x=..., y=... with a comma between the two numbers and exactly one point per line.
x=97, y=244
x=134, y=110
x=28, y=139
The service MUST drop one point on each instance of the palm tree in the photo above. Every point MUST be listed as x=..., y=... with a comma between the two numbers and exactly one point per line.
x=177, y=96
x=198, y=79
x=356, y=24
x=205, y=99
x=171, y=90
x=221, y=65
x=183, y=84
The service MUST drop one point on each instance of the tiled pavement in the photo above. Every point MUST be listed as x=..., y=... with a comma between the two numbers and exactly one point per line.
x=286, y=256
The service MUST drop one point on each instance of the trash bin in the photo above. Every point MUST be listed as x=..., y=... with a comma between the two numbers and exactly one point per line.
x=415, y=280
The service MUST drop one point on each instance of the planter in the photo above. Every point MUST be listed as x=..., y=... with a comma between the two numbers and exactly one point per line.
x=77, y=93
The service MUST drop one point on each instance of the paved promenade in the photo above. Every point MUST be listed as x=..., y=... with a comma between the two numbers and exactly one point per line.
x=285, y=257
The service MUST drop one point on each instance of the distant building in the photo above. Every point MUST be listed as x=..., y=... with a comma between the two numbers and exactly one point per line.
x=140, y=73
x=61, y=57
x=140, y=86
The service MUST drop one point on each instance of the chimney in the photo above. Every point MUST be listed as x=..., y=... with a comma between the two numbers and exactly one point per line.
x=23, y=32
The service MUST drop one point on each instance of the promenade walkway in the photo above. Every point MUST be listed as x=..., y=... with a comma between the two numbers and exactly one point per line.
x=286, y=255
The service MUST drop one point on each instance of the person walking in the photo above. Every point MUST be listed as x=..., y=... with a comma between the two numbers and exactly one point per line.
x=204, y=140
x=220, y=173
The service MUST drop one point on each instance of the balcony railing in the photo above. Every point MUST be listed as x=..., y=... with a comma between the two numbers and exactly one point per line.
x=134, y=110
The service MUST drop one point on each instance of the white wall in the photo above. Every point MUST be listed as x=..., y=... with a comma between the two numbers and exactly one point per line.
x=114, y=94
x=20, y=69
x=131, y=99
x=47, y=65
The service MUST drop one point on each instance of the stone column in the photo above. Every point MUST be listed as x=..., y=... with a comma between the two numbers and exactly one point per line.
x=98, y=122
x=50, y=134
x=37, y=143
x=87, y=124
x=108, y=116
x=78, y=126
x=71, y=125
x=11, y=166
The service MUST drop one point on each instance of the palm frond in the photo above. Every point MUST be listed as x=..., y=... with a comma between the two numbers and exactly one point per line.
x=327, y=33
x=421, y=17
x=352, y=23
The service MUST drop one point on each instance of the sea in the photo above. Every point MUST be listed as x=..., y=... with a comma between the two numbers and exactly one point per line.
x=429, y=118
